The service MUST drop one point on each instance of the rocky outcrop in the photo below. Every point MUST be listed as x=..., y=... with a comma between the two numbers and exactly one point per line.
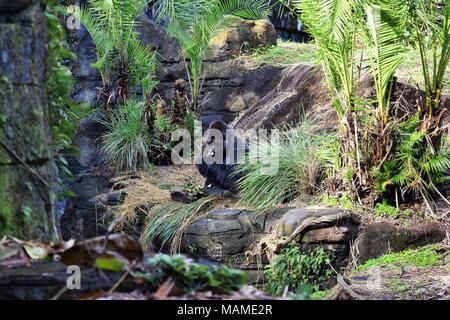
x=378, y=239
x=27, y=170
x=298, y=89
x=224, y=76
x=225, y=235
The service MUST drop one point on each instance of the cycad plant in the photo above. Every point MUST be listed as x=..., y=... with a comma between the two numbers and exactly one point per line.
x=354, y=38
x=123, y=61
x=358, y=37
x=416, y=166
x=195, y=22
x=430, y=25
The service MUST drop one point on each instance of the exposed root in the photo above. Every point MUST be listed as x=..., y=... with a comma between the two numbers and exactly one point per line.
x=271, y=245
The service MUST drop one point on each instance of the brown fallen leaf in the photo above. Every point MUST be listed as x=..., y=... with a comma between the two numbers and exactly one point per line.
x=165, y=289
x=12, y=255
x=86, y=252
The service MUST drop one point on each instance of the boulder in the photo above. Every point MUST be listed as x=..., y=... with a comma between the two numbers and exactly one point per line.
x=378, y=239
x=299, y=89
x=221, y=234
x=240, y=37
x=226, y=235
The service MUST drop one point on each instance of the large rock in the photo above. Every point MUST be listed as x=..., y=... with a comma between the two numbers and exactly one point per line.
x=27, y=170
x=240, y=37
x=226, y=235
x=300, y=88
x=378, y=239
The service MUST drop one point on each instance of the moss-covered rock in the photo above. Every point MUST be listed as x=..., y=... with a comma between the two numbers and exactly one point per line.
x=27, y=170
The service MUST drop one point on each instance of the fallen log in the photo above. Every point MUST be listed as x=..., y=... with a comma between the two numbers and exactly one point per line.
x=48, y=279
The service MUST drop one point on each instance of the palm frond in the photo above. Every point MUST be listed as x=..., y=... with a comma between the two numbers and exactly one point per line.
x=385, y=48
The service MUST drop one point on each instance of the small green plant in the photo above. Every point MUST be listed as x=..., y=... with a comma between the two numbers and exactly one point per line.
x=294, y=268
x=399, y=286
x=344, y=200
x=128, y=141
x=318, y=295
x=427, y=256
x=383, y=208
x=195, y=191
x=298, y=170
x=192, y=277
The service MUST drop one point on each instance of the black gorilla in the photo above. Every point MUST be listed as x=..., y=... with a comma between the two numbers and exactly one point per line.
x=220, y=177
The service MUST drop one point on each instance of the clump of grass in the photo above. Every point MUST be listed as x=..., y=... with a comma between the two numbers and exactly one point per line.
x=166, y=223
x=140, y=192
x=427, y=256
x=296, y=169
x=128, y=141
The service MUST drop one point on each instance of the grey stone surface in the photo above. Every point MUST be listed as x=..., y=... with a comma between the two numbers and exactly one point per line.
x=227, y=240
x=27, y=170
x=225, y=78
x=226, y=214
x=13, y=5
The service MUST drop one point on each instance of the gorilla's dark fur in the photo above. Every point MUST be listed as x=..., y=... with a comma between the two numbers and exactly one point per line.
x=220, y=177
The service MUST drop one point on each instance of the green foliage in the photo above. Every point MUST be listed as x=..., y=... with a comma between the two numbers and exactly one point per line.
x=64, y=113
x=399, y=286
x=128, y=141
x=192, y=277
x=429, y=22
x=427, y=256
x=319, y=295
x=195, y=23
x=385, y=209
x=415, y=165
x=344, y=200
x=364, y=37
x=294, y=268
x=297, y=173
x=123, y=61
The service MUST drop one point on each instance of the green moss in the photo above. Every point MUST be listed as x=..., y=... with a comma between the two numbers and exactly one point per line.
x=384, y=209
x=428, y=256
x=283, y=53
x=399, y=286
x=318, y=295
x=7, y=225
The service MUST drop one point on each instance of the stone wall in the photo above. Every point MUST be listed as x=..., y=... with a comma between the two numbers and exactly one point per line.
x=224, y=76
x=26, y=166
